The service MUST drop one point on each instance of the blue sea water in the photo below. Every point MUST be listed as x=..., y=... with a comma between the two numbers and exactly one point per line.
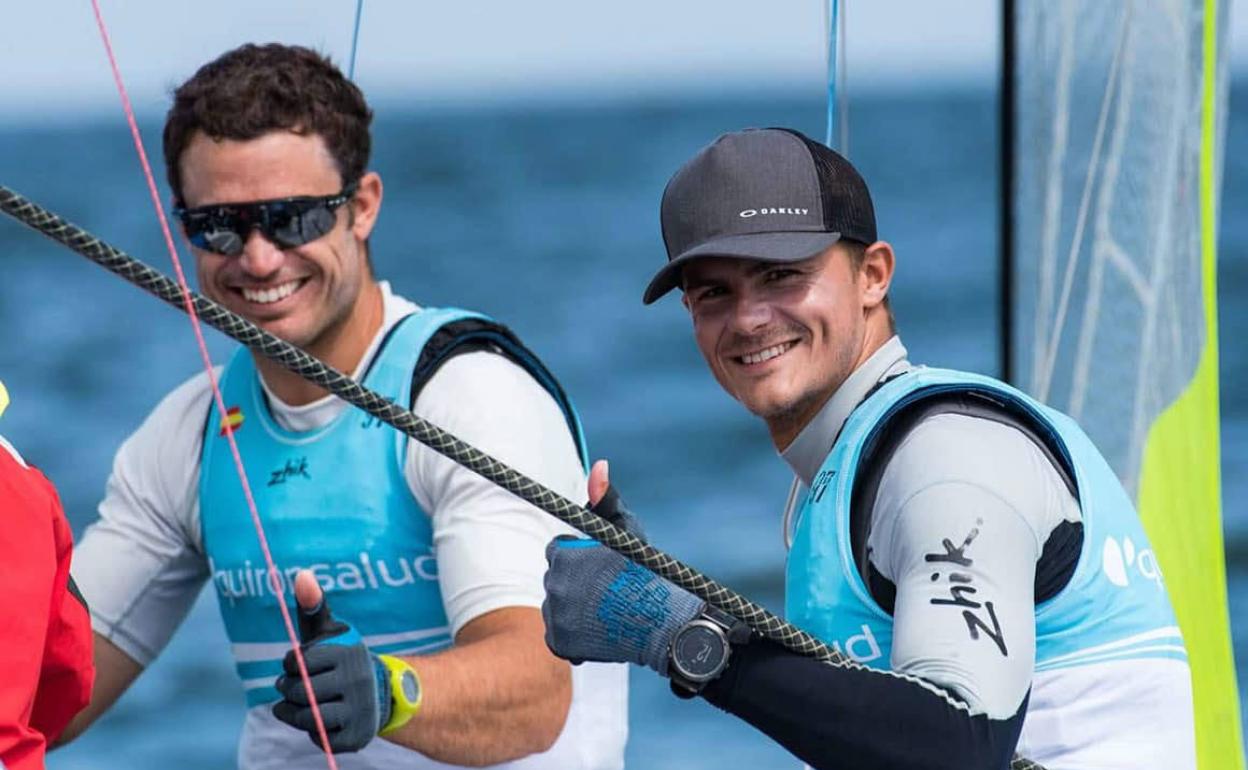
x=547, y=218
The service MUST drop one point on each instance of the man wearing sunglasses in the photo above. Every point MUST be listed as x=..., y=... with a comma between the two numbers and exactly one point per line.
x=440, y=654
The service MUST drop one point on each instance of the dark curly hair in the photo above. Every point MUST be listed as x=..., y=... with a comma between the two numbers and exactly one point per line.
x=254, y=89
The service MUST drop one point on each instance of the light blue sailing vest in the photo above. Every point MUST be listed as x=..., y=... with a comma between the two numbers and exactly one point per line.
x=335, y=501
x=1114, y=606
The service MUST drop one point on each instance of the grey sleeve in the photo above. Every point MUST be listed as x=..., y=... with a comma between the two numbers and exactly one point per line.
x=140, y=566
x=960, y=520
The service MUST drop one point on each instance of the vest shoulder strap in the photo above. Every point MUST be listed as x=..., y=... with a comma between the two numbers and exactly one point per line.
x=469, y=335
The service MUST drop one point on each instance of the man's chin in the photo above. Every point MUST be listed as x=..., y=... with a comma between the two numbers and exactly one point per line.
x=285, y=330
x=783, y=409
x=769, y=407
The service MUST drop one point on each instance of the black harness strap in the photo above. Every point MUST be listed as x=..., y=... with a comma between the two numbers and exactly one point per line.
x=471, y=335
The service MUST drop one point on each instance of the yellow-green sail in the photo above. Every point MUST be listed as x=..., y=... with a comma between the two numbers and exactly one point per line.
x=1181, y=473
x=1119, y=118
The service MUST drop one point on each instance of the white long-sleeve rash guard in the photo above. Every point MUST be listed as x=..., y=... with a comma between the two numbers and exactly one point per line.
x=966, y=481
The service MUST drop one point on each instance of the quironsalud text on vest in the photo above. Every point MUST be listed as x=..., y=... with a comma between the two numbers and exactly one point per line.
x=860, y=648
x=249, y=581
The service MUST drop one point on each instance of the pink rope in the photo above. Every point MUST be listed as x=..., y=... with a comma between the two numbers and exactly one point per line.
x=274, y=575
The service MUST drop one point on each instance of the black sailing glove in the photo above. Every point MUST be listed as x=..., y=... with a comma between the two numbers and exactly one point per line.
x=612, y=508
x=352, y=685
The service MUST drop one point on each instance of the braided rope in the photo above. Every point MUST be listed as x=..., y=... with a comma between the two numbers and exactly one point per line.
x=297, y=361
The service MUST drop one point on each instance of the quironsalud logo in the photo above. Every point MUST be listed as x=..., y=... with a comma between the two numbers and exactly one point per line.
x=1122, y=562
x=860, y=648
x=362, y=571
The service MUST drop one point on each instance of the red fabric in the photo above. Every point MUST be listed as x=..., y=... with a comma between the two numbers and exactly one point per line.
x=45, y=631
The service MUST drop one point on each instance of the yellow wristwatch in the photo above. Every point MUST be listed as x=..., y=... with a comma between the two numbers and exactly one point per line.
x=404, y=692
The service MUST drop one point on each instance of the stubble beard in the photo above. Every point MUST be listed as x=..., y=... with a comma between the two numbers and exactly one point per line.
x=790, y=417
x=321, y=337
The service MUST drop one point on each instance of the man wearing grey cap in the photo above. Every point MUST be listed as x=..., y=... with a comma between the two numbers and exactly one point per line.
x=955, y=538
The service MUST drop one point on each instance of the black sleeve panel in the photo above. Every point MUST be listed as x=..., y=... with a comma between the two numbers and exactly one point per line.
x=843, y=718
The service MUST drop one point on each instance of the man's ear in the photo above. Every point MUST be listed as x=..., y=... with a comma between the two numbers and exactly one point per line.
x=365, y=205
x=876, y=273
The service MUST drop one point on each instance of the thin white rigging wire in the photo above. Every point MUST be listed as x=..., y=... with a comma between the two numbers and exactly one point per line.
x=1059, y=320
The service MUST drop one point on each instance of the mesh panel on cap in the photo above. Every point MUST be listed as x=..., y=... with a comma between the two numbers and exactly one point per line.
x=847, y=205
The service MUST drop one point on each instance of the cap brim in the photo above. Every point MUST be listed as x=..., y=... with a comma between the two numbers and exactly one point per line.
x=768, y=247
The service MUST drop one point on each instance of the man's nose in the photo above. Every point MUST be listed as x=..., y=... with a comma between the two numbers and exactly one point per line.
x=261, y=257
x=751, y=312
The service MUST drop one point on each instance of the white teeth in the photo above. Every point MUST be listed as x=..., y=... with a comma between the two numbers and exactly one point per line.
x=267, y=296
x=766, y=354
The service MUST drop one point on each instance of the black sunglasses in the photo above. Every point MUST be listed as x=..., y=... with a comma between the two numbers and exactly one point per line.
x=222, y=228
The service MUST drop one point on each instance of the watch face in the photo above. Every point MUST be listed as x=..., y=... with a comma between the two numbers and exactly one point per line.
x=699, y=652
x=411, y=689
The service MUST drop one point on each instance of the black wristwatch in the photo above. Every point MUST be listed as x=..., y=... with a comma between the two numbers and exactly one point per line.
x=700, y=649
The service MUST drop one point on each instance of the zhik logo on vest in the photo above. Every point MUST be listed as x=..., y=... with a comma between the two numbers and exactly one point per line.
x=364, y=573
x=292, y=469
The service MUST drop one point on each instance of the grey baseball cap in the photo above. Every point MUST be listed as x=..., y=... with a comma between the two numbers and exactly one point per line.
x=767, y=193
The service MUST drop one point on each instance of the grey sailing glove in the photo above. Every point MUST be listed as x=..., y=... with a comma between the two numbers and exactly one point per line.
x=600, y=606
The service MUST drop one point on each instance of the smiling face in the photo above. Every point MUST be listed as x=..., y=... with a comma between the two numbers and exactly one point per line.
x=781, y=337
x=316, y=296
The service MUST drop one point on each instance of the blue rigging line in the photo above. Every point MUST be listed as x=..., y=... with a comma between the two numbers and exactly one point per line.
x=355, y=38
x=833, y=12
